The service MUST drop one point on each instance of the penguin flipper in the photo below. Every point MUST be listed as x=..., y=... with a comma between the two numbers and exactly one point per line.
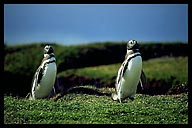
x=120, y=75
x=37, y=77
x=143, y=80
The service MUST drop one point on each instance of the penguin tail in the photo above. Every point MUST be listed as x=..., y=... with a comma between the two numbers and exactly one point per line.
x=29, y=96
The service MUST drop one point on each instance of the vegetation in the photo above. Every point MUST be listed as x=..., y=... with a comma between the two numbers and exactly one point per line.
x=162, y=72
x=82, y=108
x=28, y=57
x=21, y=61
x=89, y=71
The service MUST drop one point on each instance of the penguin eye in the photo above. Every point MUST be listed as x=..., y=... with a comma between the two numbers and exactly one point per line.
x=47, y=47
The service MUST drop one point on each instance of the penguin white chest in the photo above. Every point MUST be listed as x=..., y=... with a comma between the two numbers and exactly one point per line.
x=47, y=82
x=127, y=86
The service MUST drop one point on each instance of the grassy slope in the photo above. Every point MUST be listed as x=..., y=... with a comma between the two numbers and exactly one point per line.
x=162, y=68
x=93, y=109
x=158, y=68
x=21, y=61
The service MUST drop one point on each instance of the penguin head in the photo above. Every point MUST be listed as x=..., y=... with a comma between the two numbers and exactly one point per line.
x=48, y=49
x=132, y=44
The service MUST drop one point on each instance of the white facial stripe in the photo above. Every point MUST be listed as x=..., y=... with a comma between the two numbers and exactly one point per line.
x=48, y=60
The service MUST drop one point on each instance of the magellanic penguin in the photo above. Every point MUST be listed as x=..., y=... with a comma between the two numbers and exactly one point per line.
x=129, y=73
x=44, y=78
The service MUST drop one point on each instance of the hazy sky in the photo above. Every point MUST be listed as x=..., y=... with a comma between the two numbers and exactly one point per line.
x=84, y=23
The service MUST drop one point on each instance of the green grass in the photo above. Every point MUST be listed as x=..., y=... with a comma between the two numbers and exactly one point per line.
x=165, y=67
x=159, y=69
x=82, y=108
x=92, y=109
x=105, y=73
x=21, y=61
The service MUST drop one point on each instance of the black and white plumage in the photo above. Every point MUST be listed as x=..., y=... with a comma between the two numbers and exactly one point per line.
x=129, y=73
x=44, y=78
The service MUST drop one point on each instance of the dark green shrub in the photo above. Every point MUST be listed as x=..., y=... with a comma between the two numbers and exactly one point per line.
x=21, y=61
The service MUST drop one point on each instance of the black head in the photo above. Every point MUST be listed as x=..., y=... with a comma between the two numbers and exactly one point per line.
x=132, y=44
x=48, y=49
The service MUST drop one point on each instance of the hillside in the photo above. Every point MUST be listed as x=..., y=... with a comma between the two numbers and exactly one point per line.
x=21, y=61
x=164, y=76
x=86, y=76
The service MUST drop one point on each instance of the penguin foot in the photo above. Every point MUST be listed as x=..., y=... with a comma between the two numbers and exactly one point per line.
x=114, y=96
x=131, y=98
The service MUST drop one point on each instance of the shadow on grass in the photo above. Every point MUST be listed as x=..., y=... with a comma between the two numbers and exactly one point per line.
x=79, y=90
x=86, y=90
